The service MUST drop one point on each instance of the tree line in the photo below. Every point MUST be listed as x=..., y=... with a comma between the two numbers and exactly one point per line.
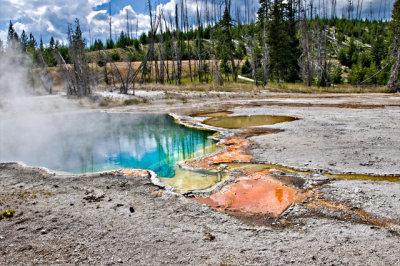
x=288, y=41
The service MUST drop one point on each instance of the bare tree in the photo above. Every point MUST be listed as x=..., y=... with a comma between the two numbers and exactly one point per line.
x=45, y=77
x=199, y=53
x=306, y=60
x=78, y=78
x=189, y=50
x=125, y=81
x=109, y=9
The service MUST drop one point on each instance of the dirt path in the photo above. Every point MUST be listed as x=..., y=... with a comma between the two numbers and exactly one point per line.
x=111, y=218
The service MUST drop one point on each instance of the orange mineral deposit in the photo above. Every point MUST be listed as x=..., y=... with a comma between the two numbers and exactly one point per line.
x=252, y=195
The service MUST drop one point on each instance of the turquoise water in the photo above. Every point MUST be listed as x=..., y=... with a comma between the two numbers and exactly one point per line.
x=92, y=142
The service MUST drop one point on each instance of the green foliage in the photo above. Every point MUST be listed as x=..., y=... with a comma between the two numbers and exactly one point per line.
x=136, y=44
x=114, y=55
x=283, y=42
x=225, y=67
x=225, y=44
x=357, y=74
x=12, y=37
x=109, y=44
x=97, y=45
x=336, y=75
x=124, y=40
x=348, y=56
x=246, y=68
x=365, y=60
x=144, y=39
x=378, y=50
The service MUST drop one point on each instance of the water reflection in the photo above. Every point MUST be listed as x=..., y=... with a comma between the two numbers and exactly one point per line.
x=92, y=142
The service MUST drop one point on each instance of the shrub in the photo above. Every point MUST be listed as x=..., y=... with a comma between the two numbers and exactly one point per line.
x=115, y=56
x=246, y=68
x=336, y=75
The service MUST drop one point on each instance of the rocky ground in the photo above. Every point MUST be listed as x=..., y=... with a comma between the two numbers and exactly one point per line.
x=113, y=218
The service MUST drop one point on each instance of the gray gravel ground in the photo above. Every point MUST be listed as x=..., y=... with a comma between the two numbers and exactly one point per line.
x=87, y=219
x=110, y=219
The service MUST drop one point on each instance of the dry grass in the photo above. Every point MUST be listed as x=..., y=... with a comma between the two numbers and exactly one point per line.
x=229, y=86
x=344, y=88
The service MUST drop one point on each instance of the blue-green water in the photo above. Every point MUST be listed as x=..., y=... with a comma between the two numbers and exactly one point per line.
x=92, y=142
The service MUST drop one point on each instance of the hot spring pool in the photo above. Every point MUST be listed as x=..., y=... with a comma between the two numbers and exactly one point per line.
x=96, y=141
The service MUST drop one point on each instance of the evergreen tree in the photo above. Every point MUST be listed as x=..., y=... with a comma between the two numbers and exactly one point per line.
x=378, y=51
x=12, y=37
x=283, y=42
x=41, y=46
x=123, y=41
x=52, y=43
x=97, y=45
x=109, y=44
x=24, y=40
x=276, y=40
x=32, y=42
x=293, y=69
x=225, y=39
x=263, y=10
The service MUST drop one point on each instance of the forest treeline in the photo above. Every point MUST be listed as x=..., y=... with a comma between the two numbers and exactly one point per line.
x=288, y=41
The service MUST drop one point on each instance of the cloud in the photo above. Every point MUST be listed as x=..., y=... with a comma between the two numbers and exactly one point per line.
x=48, y=18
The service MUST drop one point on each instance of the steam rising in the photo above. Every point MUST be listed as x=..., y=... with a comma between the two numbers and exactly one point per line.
x=13, y=73
x=26, y=119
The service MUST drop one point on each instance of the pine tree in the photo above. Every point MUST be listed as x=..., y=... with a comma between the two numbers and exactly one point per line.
x=52, y=43
x=225, y=38
x=12, y=37
x=41, y=45
x=276, y=39
x=378, y=50
x=32, y=42
x=293, y=70
x=24, y=40
x=283, y=42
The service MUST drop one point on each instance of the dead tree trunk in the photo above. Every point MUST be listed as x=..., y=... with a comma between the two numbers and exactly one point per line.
x=394, y=78
x=45, y=77
x=199, y=45
x=178, y=58
x=189, y=50
x=306, y=58
x=265, y=48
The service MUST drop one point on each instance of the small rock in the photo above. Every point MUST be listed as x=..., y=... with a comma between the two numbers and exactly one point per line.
x=94, y=195
x=208, y=236
x=131, y=209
